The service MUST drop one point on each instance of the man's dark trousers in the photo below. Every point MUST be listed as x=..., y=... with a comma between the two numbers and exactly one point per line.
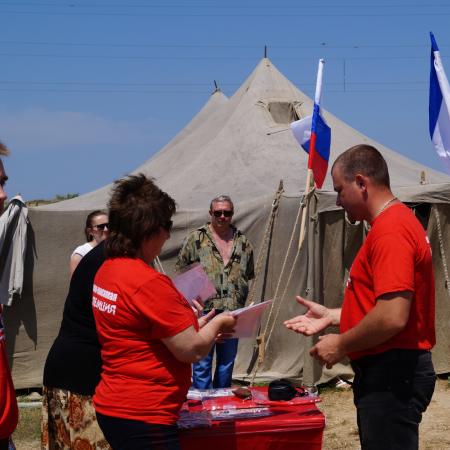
x=391, y=391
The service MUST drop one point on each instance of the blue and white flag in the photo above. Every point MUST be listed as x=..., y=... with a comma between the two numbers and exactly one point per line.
x=439, y=106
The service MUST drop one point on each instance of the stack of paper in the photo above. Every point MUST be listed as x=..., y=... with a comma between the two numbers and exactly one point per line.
x=249, y=319
x=194, y=283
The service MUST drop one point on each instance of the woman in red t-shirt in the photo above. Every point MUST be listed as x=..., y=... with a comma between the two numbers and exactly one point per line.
x=8, y=404
x=148, y=333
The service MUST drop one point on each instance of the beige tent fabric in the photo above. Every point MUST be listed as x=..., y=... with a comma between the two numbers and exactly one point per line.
x=234, y=146
x=243, y=147
x=321, y=273
x=441, y=220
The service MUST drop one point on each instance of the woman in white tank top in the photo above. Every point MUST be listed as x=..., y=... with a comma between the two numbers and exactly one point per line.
x=96, y=230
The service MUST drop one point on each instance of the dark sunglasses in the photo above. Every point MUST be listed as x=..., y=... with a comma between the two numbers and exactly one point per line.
x=101, y=226
x=224, y=212
x=167, y=225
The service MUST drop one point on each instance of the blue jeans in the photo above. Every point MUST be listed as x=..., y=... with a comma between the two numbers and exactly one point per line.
x=391, y=391
x=202, y=370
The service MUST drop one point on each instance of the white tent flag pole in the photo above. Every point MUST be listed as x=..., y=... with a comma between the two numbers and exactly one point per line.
x=318, y=94
x=309, y=175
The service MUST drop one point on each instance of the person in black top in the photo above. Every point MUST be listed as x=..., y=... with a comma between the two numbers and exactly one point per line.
x=73, y=366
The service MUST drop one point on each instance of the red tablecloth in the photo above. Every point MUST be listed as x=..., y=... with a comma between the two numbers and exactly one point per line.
x=291, y=427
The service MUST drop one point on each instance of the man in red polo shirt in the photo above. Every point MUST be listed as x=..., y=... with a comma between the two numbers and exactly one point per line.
x=387, y=317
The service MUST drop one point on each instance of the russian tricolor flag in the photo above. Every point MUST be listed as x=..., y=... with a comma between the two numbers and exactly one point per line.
x=314, y=135
x=439, y=106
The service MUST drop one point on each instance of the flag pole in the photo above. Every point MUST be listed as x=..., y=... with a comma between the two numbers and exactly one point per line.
x=309, y=175
x=305, y=207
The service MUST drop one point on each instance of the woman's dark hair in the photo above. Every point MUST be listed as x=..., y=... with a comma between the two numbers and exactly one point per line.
x=138, y=209
x=89, y=218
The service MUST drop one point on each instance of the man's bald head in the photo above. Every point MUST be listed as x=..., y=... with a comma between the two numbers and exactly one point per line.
x=364, y=160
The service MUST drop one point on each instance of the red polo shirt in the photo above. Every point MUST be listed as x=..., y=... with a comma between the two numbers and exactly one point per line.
x=135, y=307
x=395, y=257
x=8, y=405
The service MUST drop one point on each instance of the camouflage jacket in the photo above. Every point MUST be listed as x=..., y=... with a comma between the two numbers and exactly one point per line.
x=231, y=281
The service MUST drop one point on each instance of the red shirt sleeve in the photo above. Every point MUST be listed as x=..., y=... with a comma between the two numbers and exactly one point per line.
x=392, y=261
x=167, y=311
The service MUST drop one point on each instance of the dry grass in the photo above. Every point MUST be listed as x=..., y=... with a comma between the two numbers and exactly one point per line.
x=28, y=433
x=341, y=431
x=340, y=426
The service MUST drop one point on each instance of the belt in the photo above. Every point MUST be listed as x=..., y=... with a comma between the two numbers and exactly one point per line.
x=389, y=356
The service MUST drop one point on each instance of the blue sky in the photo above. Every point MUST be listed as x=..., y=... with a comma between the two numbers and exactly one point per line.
x=90, y=89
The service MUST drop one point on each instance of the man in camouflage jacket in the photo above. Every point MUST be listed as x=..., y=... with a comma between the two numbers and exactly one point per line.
x=227, y=257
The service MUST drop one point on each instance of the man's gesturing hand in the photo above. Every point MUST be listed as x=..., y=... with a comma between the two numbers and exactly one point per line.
x=328, y=350
x=316, y=318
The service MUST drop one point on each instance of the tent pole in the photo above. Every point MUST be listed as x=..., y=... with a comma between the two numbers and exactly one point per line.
x=305, y=208
x=263, y=341
x=259, y=348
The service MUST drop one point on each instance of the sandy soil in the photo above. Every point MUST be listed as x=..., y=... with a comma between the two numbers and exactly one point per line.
x=341, y=431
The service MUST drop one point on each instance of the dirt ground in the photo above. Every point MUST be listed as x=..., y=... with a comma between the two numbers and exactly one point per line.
x=340, y=430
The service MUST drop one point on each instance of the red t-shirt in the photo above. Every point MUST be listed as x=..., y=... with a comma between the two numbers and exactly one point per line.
x=396, y=256
x=134, y=308
x=8, y=405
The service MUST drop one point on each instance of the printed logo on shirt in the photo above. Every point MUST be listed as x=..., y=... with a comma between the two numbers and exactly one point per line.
x=108, y=295
x=101, y=299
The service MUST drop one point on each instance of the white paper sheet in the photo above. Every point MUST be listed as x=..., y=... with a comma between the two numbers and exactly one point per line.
x=194, y=282
x=249, y=319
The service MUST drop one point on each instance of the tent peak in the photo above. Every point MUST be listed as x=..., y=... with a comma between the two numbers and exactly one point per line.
x=266, y=62
x=216, y=87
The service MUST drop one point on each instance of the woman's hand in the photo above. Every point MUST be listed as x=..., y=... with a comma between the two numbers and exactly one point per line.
x=197, y=306
x=191, y=346
x=203, y=320
x=226, y=330
x=227, y=322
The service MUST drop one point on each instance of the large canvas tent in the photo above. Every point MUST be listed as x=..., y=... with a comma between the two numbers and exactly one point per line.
x=240, y=147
